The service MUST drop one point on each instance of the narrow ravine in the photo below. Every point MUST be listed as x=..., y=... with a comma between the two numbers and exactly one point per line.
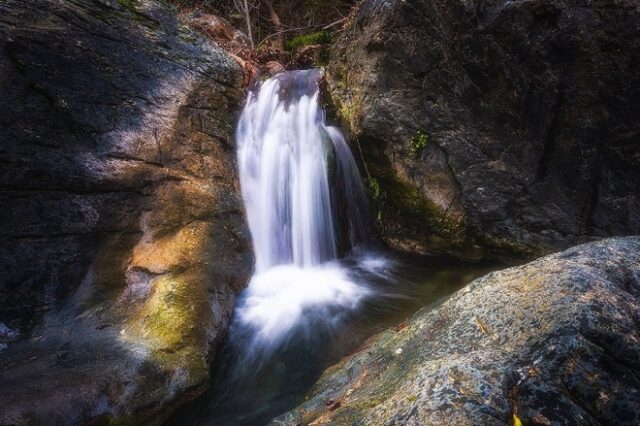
x=322, y=282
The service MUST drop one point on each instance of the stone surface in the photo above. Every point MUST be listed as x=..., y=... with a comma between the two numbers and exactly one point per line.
x=495, y=129
x=556, y=341
x=122, y=236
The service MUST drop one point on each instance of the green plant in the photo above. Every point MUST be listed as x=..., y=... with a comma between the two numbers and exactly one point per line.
x=374, y=188
x=378, y=197
x=418, y=142
x=318, y=37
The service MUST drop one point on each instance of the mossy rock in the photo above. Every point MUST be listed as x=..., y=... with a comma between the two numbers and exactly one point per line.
x=169, y=325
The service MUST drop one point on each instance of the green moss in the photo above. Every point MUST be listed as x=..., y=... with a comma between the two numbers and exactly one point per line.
x=187, y=34
x=377, y=197
x=137, y=15
x=403, y=199
x=168, y=326
x=318, y=37
x=405, y=213
x=418, y=142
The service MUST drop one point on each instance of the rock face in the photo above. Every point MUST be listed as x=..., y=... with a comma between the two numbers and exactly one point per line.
x=495, y=128
x=122, y=236
x=556, y=341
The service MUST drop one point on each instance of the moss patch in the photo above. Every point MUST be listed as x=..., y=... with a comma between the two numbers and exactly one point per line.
x=404, y=203
x=377, y=198
x=167, y=314
x=168, y=325
x=418, y=142
x=318, y=37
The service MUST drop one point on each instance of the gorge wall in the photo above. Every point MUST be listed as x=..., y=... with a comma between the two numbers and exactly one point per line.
x=494, y=129
x=122, y=236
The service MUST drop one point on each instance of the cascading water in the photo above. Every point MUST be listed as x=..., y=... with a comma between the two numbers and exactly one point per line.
x=284, y=151
x=319, y=287
x=294, y=169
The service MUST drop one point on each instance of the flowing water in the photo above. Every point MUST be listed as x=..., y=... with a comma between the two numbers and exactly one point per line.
x=321, y=283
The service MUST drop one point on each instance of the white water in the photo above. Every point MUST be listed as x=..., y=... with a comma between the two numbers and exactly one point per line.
x=300, y=185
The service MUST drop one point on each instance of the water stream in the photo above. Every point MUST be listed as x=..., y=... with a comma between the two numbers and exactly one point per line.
x=293, y=169
x=321, y=283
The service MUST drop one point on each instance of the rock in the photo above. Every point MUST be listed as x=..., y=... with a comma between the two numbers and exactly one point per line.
x=556, y=341
x=272, y=68
x=494, y=129
x=122, y=235
x=218, y=29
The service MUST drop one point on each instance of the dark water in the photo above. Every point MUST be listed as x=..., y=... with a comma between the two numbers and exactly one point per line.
x=252, y=385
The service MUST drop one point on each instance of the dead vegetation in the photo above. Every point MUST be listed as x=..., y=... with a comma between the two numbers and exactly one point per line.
x=268, y=36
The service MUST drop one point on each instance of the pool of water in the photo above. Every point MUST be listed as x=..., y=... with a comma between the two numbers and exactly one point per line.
x=254, y=382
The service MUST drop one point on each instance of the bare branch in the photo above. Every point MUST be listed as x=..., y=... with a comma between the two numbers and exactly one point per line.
x=334, y=23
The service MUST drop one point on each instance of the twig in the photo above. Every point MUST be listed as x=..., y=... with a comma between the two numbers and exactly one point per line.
x=334, y=23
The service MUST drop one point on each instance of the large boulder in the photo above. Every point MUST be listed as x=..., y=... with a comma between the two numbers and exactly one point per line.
x=494, y=129
x=556, y=341
x=122, y=235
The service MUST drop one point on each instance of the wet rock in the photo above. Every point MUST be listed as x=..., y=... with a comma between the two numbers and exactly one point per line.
x=555, y=341
x=494, y=129
x=122, y=237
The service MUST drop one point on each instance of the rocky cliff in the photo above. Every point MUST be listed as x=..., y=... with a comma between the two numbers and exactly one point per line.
x=556, y=341
x=494, y=129
x=122, y=237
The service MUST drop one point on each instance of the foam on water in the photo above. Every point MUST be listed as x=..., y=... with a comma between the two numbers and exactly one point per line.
x=288, y=296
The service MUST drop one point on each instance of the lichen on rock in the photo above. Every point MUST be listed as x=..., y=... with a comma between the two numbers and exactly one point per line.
x=554, y=341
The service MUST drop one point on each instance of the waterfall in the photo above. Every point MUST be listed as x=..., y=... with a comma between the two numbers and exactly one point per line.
x=315, y=264
x=319, y=278
x=305, y=206
x=289, y=161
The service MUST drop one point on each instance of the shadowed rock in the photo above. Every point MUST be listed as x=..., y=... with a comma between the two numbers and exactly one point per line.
x=495, y=129
x=122, y=238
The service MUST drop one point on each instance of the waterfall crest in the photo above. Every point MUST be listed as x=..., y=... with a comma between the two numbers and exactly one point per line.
x=289, y=161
